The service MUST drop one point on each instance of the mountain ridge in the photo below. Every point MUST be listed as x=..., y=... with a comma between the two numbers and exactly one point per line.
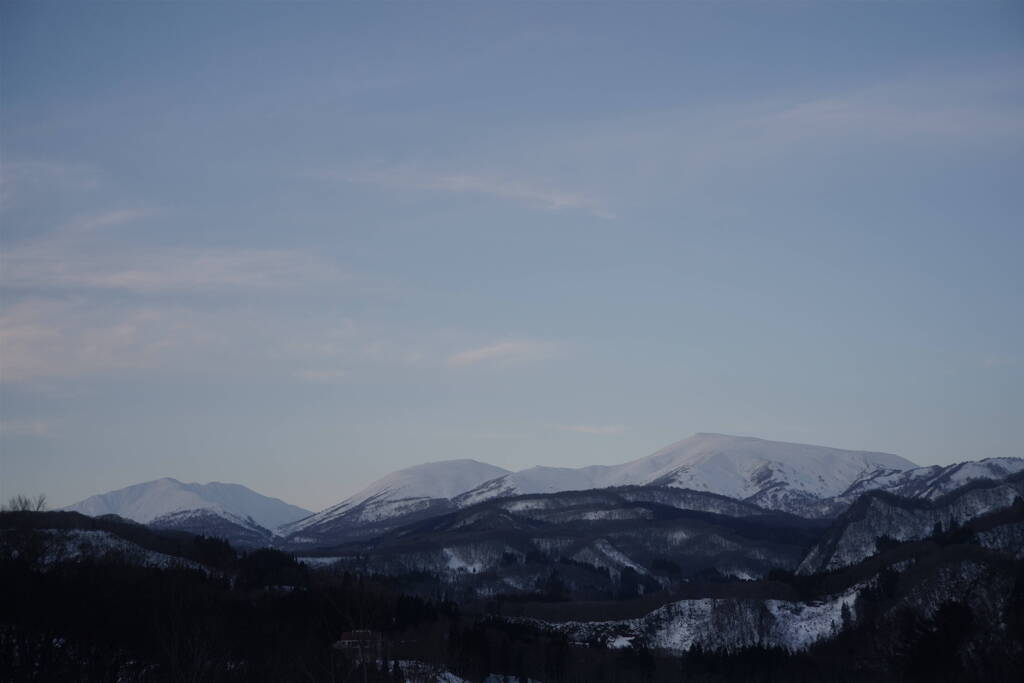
x=771, y=474
x=150, y=500
x=806, y=480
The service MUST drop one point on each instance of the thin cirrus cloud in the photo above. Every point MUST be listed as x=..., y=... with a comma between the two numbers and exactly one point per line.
x=71, y=258
x=530, y=194
x=107, y=219
x=31, y=180
x=597, y=430
x=961, y=104
x=1000, y=361
x=827, y=115
x=326, y=376
x=329, y=354
x=505, y=351
x=26, y=427
x=64, y=315
x=73, y=337
x=696, y=142
x=58, y=339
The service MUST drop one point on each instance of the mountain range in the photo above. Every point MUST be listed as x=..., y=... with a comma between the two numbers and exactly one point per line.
x=787, y=477
x=799, y=479
x=715, y=541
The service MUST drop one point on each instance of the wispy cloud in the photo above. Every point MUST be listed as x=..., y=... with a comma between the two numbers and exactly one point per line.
x=864, y=113
x=65, y=315
x=29, y=180
x=1000, y=361
x=323, y=376
x=538, y=195
x=74, y=258
x=165, y=269
x=959, y=105
x=510, y=350
x=107, y=219
x=598, y=430
x=33, y=427
x=60, y=338
x=686, y=149
x=71, y=337
x=329, y=353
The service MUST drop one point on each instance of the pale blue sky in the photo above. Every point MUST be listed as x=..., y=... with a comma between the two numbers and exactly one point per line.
x=299, y=245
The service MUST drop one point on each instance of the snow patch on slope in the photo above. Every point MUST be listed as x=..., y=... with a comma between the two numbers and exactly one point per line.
x=64, y=545
x=720, y=623
x=935, y=481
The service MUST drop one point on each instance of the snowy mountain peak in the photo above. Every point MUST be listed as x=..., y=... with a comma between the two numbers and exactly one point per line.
x=742, y=466
x=407, y=491
x=934, y=481
x=773, y=474
x=151, y=500
x=443, y=479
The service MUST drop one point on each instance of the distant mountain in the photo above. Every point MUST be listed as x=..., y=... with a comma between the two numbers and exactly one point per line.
x=398, y=498
x=242, y=532
x=592, y=538
x=788, y=477
x=164, y=500
x=905, y=584
x=878, y=516
x=775, y=475
x=935, y=481
x=805, y=480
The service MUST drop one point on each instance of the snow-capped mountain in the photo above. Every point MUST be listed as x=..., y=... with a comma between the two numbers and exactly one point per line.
x=772, y=474
x=404, y=495
x=934, y=481
x=152, y=500
x=780, y=476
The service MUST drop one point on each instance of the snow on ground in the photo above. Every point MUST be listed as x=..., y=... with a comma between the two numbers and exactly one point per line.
x=618, y=557
x=802, y=624
x=419, y=672
x=858, y=539
x=318, y=562
x=528, y=505
x=518, y=584
x=457, y=561
x=75, y=544
x=603, y=554
x=1005, y=538
x=678, y=537
x=603, y=515
x=719, y=623
x=740, y=574
x=619, y=642
x=553, y=546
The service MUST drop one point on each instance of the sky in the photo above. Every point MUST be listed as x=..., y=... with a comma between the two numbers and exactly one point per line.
x=299, y=245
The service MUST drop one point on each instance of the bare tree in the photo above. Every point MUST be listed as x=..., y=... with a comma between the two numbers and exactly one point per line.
x=23, y=503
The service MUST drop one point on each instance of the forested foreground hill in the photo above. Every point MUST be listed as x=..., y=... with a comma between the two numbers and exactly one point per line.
x=101, y=600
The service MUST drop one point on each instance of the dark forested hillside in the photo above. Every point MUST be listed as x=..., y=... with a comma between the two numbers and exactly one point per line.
x=74, y=607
